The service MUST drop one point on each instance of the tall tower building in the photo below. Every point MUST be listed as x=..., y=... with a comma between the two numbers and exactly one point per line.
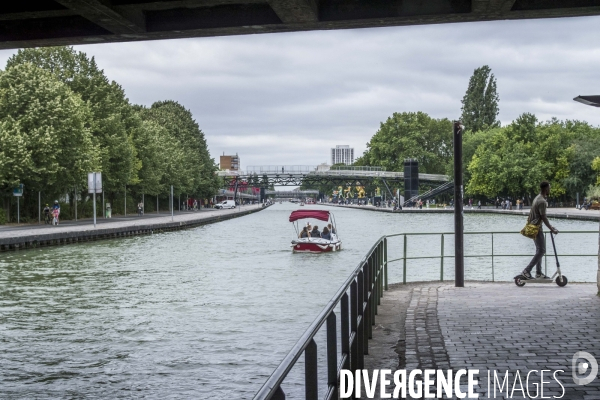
x=342, y=154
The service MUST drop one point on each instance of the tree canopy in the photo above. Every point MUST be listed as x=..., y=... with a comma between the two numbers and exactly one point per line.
x=515, y=159
x=61, y=117
x=480, y=103
x=44, y=131
x=112, y=116
x=411, y=135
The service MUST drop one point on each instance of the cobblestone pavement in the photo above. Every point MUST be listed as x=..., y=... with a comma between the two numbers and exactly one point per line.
x=492, y=327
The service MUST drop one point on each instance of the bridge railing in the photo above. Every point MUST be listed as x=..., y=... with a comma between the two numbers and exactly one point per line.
x=280, y=169
x=356, y=168
x=357, y=300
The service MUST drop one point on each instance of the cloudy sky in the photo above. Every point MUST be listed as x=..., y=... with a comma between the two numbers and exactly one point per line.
x=288, y=98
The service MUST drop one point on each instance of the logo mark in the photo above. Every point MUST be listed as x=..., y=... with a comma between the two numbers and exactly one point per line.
x=582, y=368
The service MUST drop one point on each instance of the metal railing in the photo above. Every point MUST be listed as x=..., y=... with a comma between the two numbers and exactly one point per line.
x=358, y=300
x=442, y=256
x=280, y=169
x=431, y=193
x=356, y=168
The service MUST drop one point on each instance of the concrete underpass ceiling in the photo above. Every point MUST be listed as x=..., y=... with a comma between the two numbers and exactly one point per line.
x=28, y=23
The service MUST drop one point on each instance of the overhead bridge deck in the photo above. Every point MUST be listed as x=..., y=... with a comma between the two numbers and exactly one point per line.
x=67, y=22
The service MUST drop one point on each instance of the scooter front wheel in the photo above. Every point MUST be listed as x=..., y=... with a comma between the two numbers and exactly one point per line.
x=519, y=282
x=561, y=282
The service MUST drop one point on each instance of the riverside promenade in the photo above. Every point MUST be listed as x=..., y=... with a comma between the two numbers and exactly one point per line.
x=559, y=213
x=33, y=236
x=491, y=326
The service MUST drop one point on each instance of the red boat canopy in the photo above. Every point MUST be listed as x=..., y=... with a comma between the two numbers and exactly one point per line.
x=322, y=215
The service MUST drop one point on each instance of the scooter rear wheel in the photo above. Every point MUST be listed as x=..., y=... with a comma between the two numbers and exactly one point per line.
x=561, y=282
x=519, y=282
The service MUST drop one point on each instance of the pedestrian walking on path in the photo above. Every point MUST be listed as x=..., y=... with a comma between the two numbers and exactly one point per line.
x=537, y=215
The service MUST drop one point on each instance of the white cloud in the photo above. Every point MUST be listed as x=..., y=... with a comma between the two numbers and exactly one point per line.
x=287, y=98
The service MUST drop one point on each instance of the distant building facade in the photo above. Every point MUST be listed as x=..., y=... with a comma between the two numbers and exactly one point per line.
x=342, y=154
x=323, y=167
x=231, y=163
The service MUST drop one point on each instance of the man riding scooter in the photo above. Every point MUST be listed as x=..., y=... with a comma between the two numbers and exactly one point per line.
x=537, y=215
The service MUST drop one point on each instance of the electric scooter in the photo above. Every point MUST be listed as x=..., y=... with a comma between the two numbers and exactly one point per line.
x=561, y=280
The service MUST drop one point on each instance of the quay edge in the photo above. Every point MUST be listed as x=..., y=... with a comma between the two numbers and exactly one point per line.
x=594, y=216
x=37, y=241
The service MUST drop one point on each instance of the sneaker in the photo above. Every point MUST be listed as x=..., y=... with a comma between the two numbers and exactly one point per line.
x=526, y=275
x=541, y=276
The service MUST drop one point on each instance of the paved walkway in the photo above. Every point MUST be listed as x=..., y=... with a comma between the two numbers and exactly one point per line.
x=12, y=231
x=99, y=220
x=491, y=326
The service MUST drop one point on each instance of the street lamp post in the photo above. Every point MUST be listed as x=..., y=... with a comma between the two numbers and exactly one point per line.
x=459, y=253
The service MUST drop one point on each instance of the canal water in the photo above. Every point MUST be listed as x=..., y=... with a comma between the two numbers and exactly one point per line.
x=208, y=313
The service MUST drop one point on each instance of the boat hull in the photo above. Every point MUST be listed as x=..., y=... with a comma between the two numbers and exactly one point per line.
x=314, y=247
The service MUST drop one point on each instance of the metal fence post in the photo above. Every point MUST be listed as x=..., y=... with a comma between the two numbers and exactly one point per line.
x=385, y=266
x=404, y=268
x=368, y=298
x=459, y=250
x=492, y=256
x=310, y=371
x=354, y=313
x=279, y=394
x=545, y=254
x=332, y=354
x=442, y=261
x=345, y=329
x=360, y=328
x=380, y=270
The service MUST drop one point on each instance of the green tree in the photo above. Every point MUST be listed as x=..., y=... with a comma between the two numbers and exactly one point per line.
x=596, y=168
x=44, y=130
x=113, y=119
x=586, y=145
x=190, y=169
x=480, y=103
x=411, y=135
x=154, y=152
x=515, y=159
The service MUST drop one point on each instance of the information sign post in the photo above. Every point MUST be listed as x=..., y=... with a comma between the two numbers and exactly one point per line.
x=18, y=192
x=94, y=186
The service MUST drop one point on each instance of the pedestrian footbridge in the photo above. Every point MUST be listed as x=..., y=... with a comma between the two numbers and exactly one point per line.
x=298, y=175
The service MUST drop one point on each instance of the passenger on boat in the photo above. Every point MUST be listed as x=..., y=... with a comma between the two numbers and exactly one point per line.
x=304, y=233
x=331, y=229
x=326, y=234
x=315, y=232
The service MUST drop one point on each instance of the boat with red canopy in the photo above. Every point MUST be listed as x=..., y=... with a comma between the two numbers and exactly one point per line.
x=314, y=244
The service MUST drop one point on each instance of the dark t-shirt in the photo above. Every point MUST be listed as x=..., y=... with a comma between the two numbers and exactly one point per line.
x=538, y=210
x=315, y=234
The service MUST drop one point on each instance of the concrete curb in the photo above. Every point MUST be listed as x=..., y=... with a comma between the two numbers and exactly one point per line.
x=62, y=238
